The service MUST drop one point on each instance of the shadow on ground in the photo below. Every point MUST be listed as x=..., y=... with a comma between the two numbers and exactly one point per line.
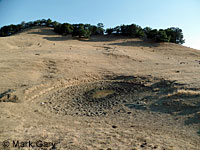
x=136, y=44
x=60, y=38
x=134, y=92
x=5, y=93
x=91, y=39
x=164, y=98
x=44, y=32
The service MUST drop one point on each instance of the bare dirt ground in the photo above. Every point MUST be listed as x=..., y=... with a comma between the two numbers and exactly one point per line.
x=106, y=93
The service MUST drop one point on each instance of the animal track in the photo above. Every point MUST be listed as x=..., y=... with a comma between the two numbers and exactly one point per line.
x=51, y=69
x=8, y=96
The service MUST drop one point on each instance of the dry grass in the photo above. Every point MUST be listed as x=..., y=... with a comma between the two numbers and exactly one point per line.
x=198, y=114
x=182, y=92
x=39, y=65
x=102, y=93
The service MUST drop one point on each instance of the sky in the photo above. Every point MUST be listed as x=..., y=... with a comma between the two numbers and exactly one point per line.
x=184, y=14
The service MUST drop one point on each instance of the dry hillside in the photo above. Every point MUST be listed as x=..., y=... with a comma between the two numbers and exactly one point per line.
x=106, y=93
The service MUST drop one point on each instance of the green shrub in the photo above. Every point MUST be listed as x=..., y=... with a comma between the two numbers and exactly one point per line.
x=172, y=34
x=109, y=31
x=81, y=31
x=175, y=34
x=161, y=36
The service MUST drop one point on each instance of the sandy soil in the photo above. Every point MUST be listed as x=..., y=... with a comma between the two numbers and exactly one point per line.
x=106, y=93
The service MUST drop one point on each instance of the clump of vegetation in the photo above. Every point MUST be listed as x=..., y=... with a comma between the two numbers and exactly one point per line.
x=173, y=35
x=127, y=30
x=64, y=28
x=184, y=92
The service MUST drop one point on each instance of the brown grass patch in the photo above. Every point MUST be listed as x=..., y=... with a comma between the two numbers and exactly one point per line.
x=102, y=93
x=182, y=92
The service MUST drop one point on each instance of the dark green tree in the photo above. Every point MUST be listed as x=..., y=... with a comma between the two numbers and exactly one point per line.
x=152, y=34
x=80, y=31
x=175, y=35
x=100, y=29
x=117, y=30
x=93, y=30
x=147, y=31
x=109, y=31
x=66, y=28
x=49, y=23
x=161, y=36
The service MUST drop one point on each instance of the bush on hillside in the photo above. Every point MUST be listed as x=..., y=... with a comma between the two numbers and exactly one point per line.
x=161, y=36
x=173, y=35
x=81, y=31
x=109, y=31
x=64, y=29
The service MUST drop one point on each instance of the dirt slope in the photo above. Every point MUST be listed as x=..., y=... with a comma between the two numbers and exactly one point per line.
x=102, y=93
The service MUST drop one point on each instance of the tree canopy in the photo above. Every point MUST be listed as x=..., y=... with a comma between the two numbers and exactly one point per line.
x=173, y=34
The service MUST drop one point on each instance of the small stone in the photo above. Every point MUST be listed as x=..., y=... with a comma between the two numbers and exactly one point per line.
x=156, y=146
x=143, y=144
x=124, y=101
x=198, y=114
x=114, y=126
x=156, y=90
